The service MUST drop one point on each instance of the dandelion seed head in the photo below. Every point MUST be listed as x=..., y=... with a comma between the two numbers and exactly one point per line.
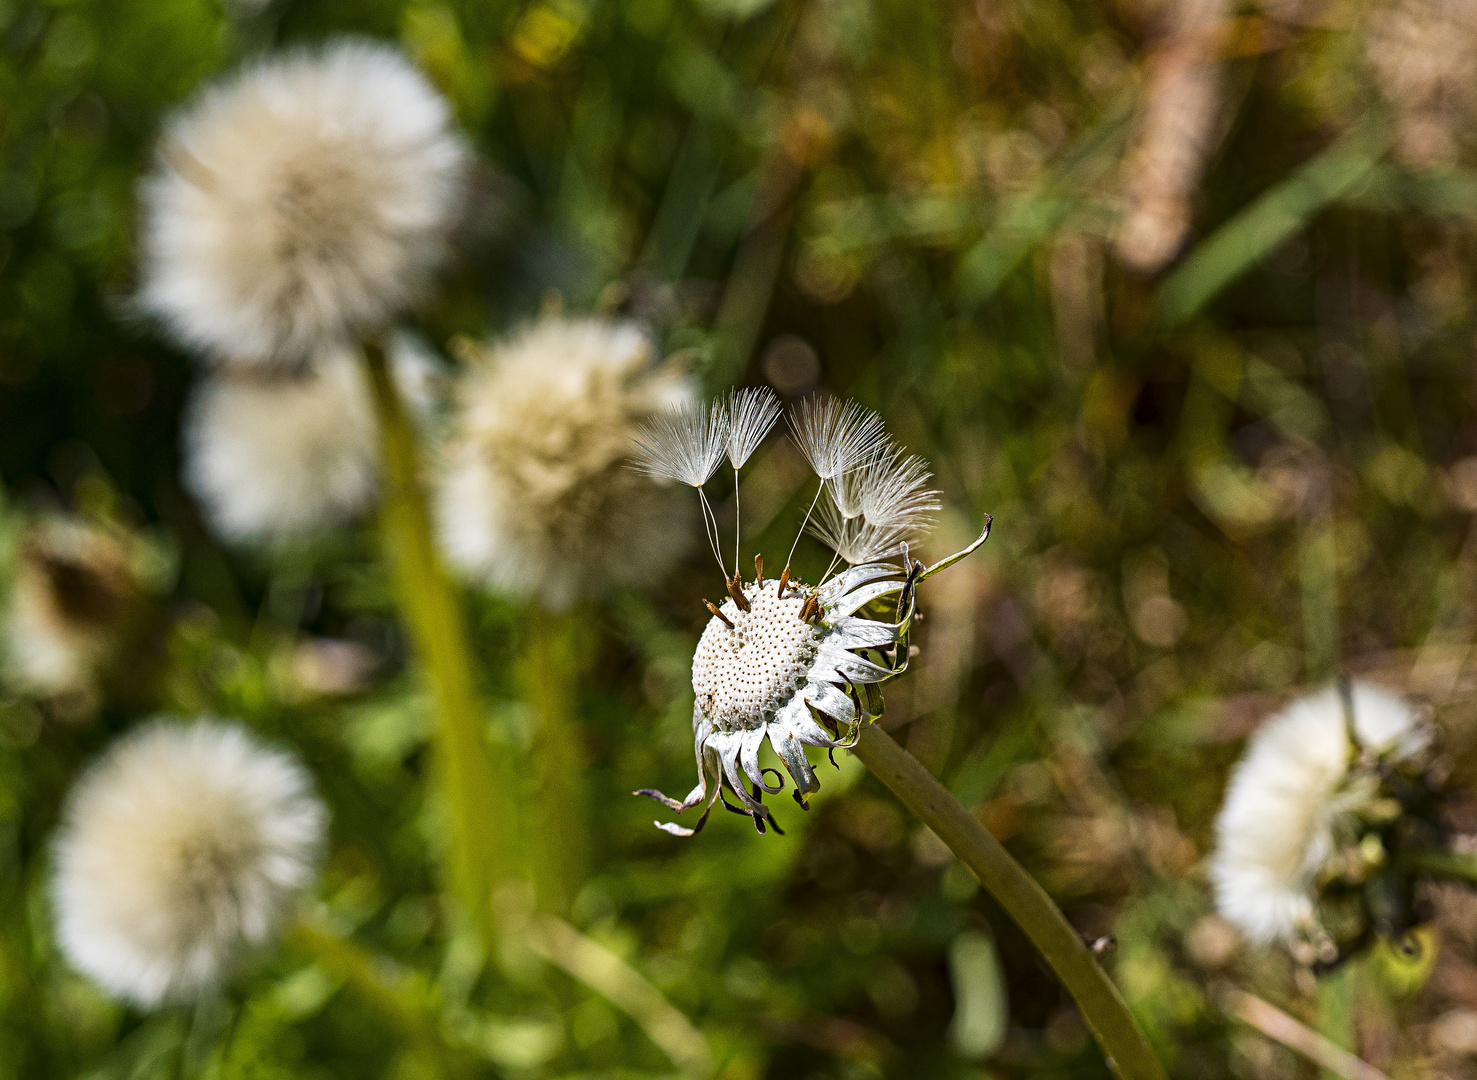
x=1275, y=830
x=837, y=436
x=685, y=444
x=181, y=848
x=275, y=456
x=537, y=496
x=303, y=201
x=797, y=666
x=752, y=412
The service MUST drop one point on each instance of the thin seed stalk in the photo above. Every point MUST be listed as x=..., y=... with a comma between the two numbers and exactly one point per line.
x=1123, y=1043
x=478, y=804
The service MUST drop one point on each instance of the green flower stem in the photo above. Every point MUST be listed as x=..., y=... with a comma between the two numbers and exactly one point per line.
x=1445, y=865
x=1336, y=1011
x=479, y=806
x=548, y=674
x=1123, y=1044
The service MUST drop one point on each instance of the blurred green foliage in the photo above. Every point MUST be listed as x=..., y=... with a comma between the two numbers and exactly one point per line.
x=1211, y=485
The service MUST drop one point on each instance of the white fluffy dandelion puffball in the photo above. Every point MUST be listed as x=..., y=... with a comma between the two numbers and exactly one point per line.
x=179, y=849
x=537, y=496
x=305, y=200
x=1276, y=828
x=272, y=457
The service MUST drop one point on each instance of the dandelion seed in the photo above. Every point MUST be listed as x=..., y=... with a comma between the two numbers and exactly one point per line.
x=1276, y=831
x=686, y=444
x=856, y=539
x=303, y=201
x=837, y=436
x=751, y=415
x=181, y=849
x=274, y=457
x=538, y=495
x=891, y=490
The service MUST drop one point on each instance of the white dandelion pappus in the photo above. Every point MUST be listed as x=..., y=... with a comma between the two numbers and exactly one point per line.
x=894, y=491
x=752, y=412
x=303, y=201
x=538, y=494
x=857, y=539
x=1276, y=829
x=686, y=444
x=179, y=850
x=272, y=457
x=874, y=509
x=837, y=436
x=800, y=666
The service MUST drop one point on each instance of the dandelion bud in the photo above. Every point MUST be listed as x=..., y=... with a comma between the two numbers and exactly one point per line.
x=180, y=849
x=538, y=496
x=304, y=201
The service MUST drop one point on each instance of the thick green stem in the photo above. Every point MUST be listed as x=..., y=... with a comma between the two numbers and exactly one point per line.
x=1336, y=1012
x=479, y=806
x=1123, y=1044
x=548, y=675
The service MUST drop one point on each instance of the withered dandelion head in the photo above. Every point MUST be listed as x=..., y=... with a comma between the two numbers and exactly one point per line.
x=180, y=849
x=76, y=591
x=305, y=200
x=784, y=661
x=536, y=497
x=1310, y=775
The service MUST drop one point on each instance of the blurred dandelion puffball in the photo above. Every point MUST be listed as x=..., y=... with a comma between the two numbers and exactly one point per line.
x=1275, y=831
x=73, y=588
x=181, y=847
x=272, y=457
x=305, y=200
x=536, y=497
